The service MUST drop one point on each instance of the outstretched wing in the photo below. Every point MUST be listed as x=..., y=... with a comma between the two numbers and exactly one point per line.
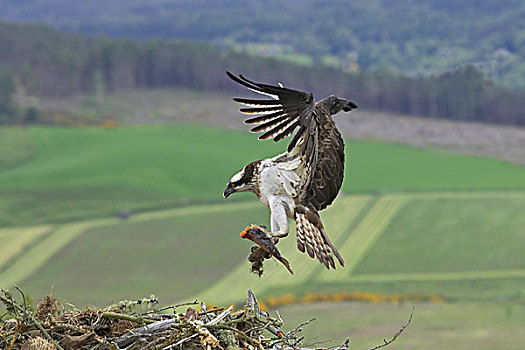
x=280, y=116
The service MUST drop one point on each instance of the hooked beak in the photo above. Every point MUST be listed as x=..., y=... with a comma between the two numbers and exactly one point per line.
x=229, y=190
x=349, y=106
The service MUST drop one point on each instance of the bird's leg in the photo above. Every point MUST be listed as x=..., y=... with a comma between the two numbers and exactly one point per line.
x=277, y=234
x=278, y=220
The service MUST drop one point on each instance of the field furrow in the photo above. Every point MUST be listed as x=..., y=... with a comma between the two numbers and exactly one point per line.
x=39, y=254
x=35, y=257
x=14, y=240
x=336, y=221
x=366, y=233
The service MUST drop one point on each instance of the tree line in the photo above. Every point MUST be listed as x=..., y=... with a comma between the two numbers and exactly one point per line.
x=402, y=35
x=47, y=62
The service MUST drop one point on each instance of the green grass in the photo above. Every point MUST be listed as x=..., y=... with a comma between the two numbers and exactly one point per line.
x=92, y=172
x=61, y=204
x=442, y=235
x=173, y=257
x=401, y=261
x=473, y=255
x=376, y=166
x=13, y=241
x=173, y=159
x=16, y=147
x=84, y=173
x=460, y=246
x=355, y=247
x=481, y=326
x=39, y=254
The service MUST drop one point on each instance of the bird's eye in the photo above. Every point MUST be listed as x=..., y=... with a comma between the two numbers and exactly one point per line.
x=232, y=185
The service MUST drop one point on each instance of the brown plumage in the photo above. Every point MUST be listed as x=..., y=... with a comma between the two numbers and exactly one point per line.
x=318, y=143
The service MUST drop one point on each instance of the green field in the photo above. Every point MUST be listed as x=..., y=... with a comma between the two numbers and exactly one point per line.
x=410, y=221
x=480, y=261
x=475, y=234
x=16, y=146
x=195, y=252
x=83, y=173
x=478, y=326
x=171, y=257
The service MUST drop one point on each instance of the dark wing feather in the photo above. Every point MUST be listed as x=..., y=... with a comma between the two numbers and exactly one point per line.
x=329, y=167
x=264, y=118
x=278, y=118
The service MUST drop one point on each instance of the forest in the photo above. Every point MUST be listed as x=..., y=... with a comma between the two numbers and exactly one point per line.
x=409, y=36
x=42, y=61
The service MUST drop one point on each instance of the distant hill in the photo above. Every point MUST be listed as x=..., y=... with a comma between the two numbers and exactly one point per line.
x=39, y=60
x=406, y=35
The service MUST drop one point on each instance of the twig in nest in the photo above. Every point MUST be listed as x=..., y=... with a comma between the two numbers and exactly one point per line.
x=9, y=302
x=215, y=309
x=119, y=316
x=290, y=337
x=298, y=328
x=171, y=307
x=180, y=342
x=385, y=342
x=130, y=337
x=221, y=316
x=23, y=297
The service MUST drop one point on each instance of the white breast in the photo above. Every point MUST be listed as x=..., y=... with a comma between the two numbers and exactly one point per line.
x=280, y=180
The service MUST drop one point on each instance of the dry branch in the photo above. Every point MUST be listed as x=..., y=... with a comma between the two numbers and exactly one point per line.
x=403, y=327
x=133, y=335
x=118, y=327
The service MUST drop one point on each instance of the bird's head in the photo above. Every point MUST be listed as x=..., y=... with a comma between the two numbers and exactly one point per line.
x=336, y=104
x=244, y=181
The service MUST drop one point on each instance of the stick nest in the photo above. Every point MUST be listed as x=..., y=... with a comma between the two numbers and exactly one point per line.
x=52, y=326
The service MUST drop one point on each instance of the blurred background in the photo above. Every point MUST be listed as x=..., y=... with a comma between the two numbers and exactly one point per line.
x=118, y=135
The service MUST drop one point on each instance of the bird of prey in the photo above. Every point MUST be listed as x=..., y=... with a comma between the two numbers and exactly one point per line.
x=305, y=179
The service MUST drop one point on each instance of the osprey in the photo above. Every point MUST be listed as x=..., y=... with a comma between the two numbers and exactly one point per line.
x=305, y=179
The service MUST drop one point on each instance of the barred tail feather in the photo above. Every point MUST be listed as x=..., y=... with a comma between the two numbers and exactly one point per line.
x=301, y=240
x=312, y=238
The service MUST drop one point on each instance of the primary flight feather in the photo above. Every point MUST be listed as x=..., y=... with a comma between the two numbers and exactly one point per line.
x=305, y=179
